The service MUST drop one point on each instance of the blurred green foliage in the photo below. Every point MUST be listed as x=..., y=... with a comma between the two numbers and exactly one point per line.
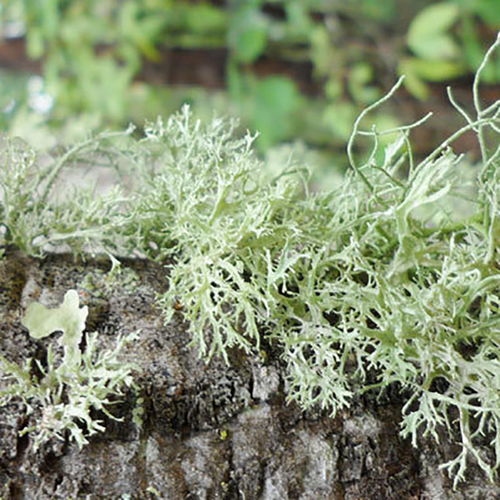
x=93, y=50
x=440, y=52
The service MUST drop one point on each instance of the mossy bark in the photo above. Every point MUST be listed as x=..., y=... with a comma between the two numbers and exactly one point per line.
x=211, y=431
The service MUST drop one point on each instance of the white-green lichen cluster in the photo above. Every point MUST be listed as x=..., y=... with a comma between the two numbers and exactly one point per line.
x=392, y=279
x=66, y=392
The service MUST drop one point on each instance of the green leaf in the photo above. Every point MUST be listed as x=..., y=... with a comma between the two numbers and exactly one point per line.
x=418, y=71
x=427, y=35
x=339, y=117
x=359, y=79
x=276, y=98
x=250, y=44
x=321, y=50
x=35, y=43
x=383, y=12
x=206, y=18
x=489, y=11
x=432, y=72
x=413, y=83
x=298, y=18
x=247, y=34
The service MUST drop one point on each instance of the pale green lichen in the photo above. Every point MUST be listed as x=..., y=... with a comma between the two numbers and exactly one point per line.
x=64, y=394
x=118, y=279
x=68, y=318
x=392, y=279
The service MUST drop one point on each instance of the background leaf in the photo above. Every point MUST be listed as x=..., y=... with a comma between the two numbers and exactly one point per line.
x=427, y=35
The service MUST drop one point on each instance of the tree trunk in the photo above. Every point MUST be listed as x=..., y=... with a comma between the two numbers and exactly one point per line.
x=210, y=431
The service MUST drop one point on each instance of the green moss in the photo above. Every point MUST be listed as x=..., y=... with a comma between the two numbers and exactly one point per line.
x=391, y=279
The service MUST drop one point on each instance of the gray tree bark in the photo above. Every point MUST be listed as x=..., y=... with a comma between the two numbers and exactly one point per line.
x=211, y=431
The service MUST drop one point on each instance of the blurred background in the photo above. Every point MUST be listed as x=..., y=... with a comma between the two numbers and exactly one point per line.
x=297, y=71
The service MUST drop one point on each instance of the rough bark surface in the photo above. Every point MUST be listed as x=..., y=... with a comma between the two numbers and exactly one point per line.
x=211, y=431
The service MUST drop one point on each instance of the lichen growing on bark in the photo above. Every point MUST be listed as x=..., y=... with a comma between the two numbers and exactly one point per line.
x=390, y=281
